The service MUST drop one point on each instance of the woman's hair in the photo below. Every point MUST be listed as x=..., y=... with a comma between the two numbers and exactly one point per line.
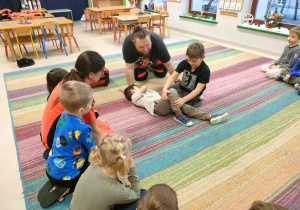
x=113, y=151
x=139, y=32
x=261, y=205
x=74, y=95
x=195, y=50
x=54, y=76
x=159, y=197
x=127, y=92
x=87, y=62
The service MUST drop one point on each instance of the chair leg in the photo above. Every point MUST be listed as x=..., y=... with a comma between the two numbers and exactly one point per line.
x=18, y=46
x=44, y=49
x=119, y=36
x=61, y=41
x=26, y=50
x=85, y=24
x=76, y=43
x=6, y=52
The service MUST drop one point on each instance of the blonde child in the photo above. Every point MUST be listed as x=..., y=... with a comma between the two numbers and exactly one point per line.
x=73, y=139
x=105, y=182
x=287, y=58
x=261, y=205
x=195, y=76
x=159, y=197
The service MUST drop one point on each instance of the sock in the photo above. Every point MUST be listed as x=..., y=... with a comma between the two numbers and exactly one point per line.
x=211, y=115
x=177, y=115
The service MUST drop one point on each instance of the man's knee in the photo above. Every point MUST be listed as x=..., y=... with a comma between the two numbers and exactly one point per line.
x=160, y=71
x=140, y=75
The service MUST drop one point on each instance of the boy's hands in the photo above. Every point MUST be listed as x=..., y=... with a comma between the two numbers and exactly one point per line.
x=178, y=103
x=287, y=77
x=164, y=95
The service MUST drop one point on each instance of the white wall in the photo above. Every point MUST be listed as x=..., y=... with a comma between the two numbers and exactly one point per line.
x=226, y=32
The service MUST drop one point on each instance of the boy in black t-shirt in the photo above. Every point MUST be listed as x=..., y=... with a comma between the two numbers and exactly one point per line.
x=143, y=50
x=195, y=76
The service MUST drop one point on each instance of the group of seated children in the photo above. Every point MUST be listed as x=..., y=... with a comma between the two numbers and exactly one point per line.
x=287, y=67
x=111, y=181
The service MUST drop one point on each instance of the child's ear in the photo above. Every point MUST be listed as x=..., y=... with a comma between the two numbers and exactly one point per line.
x=80, y=110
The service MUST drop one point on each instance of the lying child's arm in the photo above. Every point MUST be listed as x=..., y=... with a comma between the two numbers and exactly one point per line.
x=143, y=89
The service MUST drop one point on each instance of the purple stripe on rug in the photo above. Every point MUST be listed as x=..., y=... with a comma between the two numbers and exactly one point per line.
x=26, y=91
x=27, y=131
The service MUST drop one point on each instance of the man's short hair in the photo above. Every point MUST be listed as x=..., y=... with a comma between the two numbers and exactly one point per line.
x=139, y=32
x=127, y=92
x=75, y=95
x=195, y=50
x=159, y=197
x=296, y=30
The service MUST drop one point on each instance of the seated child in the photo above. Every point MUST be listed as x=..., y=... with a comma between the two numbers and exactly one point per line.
x=105, y=182
x=54, y=76
x=286, y=59
x=154, y=104
x=159, y=196
x=195, y=76
x=261, y=205
x=73, y=139
x=292, y=76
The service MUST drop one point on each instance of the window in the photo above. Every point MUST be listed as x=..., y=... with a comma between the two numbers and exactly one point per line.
x=289, y=8
x=208, y=7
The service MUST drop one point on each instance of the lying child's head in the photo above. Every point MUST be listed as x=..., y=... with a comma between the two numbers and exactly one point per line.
x=76, y=97
x=260, y=205
x=53, y=77
x=159, y=197
x=294, y=36
x=113, y=151
x=129, y=91
x=195, y=54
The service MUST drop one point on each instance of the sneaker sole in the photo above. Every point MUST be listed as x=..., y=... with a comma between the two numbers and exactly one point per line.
x=189, y=124
x=220, y=119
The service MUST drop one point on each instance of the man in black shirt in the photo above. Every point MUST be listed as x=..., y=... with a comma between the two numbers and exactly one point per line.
x=143, y=50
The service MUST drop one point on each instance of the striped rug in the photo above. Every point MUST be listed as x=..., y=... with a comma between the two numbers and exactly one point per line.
x=252, y=156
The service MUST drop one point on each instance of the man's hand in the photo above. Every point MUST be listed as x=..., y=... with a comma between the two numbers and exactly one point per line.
x=287, y=77
x=122, y=90
x=164, y=95
x=178, y=103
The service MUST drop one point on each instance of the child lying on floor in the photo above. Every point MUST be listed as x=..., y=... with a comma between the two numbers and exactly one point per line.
x=155, y=105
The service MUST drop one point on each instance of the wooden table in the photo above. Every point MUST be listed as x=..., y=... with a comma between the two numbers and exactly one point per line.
x=7, y=26
x=128, y=19
x=98, y=11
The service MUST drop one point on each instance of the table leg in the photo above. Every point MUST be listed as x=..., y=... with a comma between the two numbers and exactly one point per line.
x=164, y=26
x=99, y=22
x=69, y=38
x=8, y=40
x=62, y=32
x=125, y=28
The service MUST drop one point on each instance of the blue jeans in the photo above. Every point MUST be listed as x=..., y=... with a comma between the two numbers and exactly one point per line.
x=129, y=206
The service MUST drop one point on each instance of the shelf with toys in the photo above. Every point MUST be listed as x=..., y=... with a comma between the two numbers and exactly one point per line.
x=262, y=28
x=200, y=17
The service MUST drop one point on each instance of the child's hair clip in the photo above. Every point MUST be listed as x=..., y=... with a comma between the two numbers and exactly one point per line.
x=123, y=157
x=121, y=139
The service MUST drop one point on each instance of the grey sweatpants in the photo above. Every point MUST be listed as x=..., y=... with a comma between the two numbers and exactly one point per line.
x=292, y=80
x=162, y=107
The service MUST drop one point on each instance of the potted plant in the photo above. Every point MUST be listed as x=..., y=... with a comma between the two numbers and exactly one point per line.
x=273, y=19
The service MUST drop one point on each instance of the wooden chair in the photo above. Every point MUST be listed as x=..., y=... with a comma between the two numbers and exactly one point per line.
x=166, y=20
x=72, y=35
x=134, y=11
x=117, y=27
x=24, y=36
x=118, y=12
x=35, y=17
x=125, y=13
x=88, y=18
x=155, y=23
x=105, y=19
x=52, y=26
x=144, y=20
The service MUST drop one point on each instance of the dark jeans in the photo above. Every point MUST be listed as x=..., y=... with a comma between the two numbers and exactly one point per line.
x=129, y=206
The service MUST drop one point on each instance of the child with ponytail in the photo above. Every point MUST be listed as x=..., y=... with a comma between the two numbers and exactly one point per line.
x=111, y=177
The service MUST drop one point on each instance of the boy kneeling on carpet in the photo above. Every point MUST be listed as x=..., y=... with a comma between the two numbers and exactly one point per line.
x=72, y=143
x=155, y=105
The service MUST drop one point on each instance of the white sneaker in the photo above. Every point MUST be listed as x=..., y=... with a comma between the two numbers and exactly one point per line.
x=201, y=98
x=296, y=86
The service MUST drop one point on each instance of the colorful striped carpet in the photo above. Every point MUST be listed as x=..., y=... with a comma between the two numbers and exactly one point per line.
x=254, y=155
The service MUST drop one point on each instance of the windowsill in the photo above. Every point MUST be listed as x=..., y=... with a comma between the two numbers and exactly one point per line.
x=148, y=10
x=208, y=20
x=280, y=32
